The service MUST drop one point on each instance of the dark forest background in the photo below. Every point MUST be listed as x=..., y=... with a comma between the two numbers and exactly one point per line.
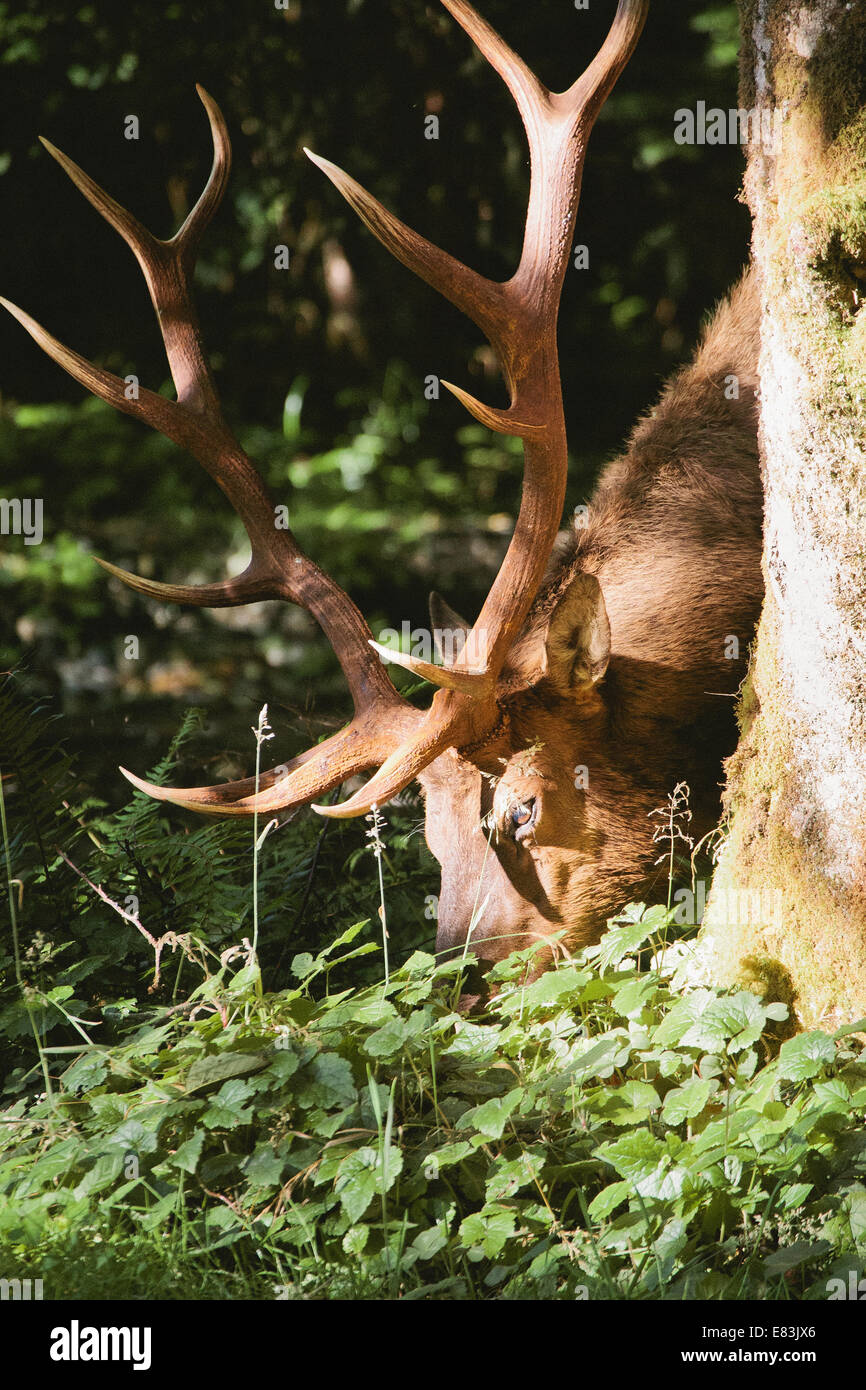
x=321, y=366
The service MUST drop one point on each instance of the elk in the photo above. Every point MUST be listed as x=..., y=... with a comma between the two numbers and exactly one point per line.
x=595, y=674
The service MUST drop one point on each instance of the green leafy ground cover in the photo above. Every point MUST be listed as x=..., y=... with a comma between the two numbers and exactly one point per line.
x=324, y=1130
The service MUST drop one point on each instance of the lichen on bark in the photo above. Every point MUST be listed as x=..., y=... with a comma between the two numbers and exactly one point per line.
x=796, y=794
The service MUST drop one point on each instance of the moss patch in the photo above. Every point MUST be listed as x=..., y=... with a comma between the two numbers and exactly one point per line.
x=774, y=921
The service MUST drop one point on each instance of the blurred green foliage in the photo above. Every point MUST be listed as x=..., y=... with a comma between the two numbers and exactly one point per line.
x=80, y=873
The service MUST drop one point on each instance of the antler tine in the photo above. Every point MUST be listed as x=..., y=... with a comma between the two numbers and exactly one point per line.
x=249, y=587
x=213, y=447
x=443, y=726
x=585, y=97
x=485, y=301
x=367, y=741
x=529, y=94
x=188, y=236
x=481, y=299
x=168, y=266
x=470, y=682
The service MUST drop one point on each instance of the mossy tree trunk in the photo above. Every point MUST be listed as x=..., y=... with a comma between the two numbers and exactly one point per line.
x=788, y=905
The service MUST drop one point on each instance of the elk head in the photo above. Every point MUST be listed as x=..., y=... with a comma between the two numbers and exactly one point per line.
x=485, y=747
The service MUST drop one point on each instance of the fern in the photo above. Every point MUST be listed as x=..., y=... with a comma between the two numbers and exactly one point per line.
x=185, y=880
x=38, y=781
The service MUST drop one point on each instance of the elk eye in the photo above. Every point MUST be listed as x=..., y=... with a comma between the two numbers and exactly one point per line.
x=521, y=815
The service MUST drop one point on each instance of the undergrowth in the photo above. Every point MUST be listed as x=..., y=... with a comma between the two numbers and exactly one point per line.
x=244, y=1127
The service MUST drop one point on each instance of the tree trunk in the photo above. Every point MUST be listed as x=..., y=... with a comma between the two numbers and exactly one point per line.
x=787, y=911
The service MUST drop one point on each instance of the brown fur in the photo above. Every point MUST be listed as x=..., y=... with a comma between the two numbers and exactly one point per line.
x=674, y=542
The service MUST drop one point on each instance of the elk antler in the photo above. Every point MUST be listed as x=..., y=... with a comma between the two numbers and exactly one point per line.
x=278, y=568
x=518, y=318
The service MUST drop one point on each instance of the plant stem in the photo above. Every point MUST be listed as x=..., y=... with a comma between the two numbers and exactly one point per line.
x=16, y=950
x=262, y=732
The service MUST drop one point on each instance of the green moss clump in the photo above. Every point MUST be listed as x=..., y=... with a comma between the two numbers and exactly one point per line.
x=771, y=982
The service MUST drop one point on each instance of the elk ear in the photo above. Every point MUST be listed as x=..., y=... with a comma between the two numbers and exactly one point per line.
x=577, y=637
x=443, y=619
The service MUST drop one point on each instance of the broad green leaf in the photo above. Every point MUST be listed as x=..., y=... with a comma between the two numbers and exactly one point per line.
x=774, y=1110
x=418, y=963
x=805, y=1056
x=392, y=1037
x=682, y=1017
x=793, y=1196
x=132, y=1137
x=629, y=999
x=610, y=1197
x=508, y=1176
x=428, y=1243
x=283, y=1063
x=620, y=942
x=364, y=1174
x=742, y=1017
x=247, y=979
x=730, y=1022
x=104, y=1173
x=219, y=1066
x=858, y=1027
x=554, y=987
x=635, y=1155
x=344, y=939
x=686, y=1101
x=445, y=1157
x=189, y=1153
x=86, y=1072
x=356, y=1184
x=631, y=1103
x=665, y=1249
x=476, y=1042
x=488, y=1230
x=598, y=1059
x=666, y=1182
x=158, y=1214
x=547, y=1261
x=854, y=1215
x=360, y=1011
x=56, y=1160
x=732, y=1166
x=792, y=1256
x=833, y=1094
x=227, y=1107
x=491, y=1118
x=778, y=1012
x=355, y=1239
x=326, y=1081
x=264, y=1168
x=388, y=1040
